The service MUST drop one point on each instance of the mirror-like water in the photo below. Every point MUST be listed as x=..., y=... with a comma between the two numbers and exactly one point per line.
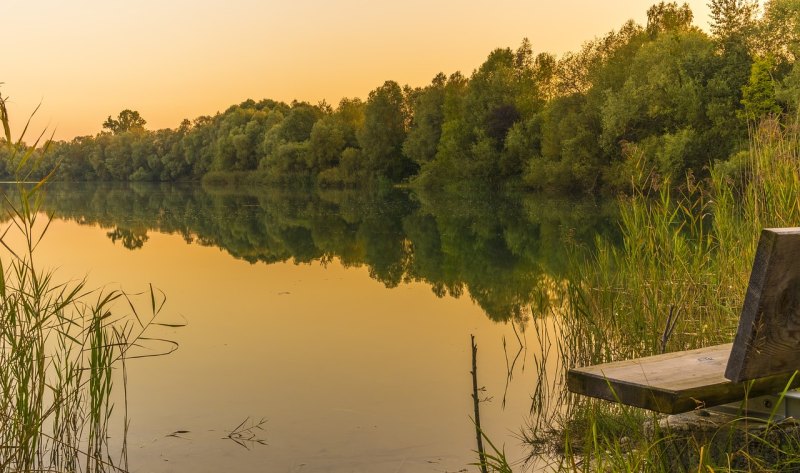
x=340, y=319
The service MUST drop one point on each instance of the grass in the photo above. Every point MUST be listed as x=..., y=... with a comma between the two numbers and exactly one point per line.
x=61, y=344
x=677, y=282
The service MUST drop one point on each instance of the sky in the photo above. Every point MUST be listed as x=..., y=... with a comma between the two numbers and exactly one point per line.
x=84, y=60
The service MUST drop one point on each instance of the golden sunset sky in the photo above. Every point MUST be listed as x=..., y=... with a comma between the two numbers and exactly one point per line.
x=172, y=59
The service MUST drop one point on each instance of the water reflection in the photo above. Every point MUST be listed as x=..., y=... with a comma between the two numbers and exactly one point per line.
x=345, y=372
x=61, y=343
x=503, y=249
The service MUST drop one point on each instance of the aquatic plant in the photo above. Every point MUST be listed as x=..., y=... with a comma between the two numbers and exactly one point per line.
x=676, y=282
x=63, y=346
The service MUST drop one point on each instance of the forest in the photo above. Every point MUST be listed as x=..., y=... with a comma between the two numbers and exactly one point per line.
x=666, y=96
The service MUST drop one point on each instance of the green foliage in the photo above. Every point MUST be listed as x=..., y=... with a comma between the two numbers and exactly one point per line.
x=662, y=92
x=734, y=21
x=668, y=17
x=59, y=342
x=570, y=158
x=384, y=131
x=127, y=120
x=479, y=113
x=685, y=259
x=426, y=125
x=239, y=134
x=352, y=171
x=779, y=32
x=351, y=114
x=297, y=125
x=758, y=96
x=326, y=143
x=787, y=92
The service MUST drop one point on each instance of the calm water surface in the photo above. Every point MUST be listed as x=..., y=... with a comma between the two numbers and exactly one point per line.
x=342, y=319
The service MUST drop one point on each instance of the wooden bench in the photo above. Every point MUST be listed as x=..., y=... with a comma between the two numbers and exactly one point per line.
x=761, y=360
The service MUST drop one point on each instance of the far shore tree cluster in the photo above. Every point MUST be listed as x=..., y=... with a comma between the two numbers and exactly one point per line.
x=666, y=95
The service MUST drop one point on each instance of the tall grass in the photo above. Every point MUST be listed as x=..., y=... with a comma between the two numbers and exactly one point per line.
x=60, y=344
x=677, y=282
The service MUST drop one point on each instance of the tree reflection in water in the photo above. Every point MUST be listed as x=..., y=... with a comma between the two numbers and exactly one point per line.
x=503, y=249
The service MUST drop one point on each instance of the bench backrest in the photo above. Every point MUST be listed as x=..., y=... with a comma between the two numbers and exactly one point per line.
x=768, y=339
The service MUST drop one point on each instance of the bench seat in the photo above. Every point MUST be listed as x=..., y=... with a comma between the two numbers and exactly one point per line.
x=761, y=360
x=673, y=382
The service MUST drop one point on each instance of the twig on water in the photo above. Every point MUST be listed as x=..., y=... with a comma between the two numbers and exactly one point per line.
x=246, y=435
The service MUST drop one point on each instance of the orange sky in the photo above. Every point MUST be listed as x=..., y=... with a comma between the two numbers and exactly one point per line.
x=87, y=59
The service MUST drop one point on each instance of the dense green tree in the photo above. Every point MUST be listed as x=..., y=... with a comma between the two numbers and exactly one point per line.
x=453, y=137
x=127, y=120
x=522, y=143
x=668, y=17
x=118, y=155
x=291, y=159
x=145, y=161
x=198, y=146
x=570, y=156
x=578, y=72
x=384, y=131
x=779, y=35
x=502, y=92
x=567, y=155
x=545, y=69
x=298, y=122
x=240, y=132
x=733, y=22
x=350, y=172
x=326, y=143
x=172, y=154
x=351, y=115
x=779, y=32
x=758, y=96
x=491, y=102
x=663, y=95
x=426, y=125
x=72, y=159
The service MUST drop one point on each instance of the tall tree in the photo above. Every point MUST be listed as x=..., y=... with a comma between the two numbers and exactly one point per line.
x=780, y=30
x=665, y=17
x=544, y=73
x=299, y=121
x=326, y=143
x=351, y=115
x=127, y=120
x=384, y=131
x=664, y=105
x=734, y=21
x=758, y=96
x=426, y=125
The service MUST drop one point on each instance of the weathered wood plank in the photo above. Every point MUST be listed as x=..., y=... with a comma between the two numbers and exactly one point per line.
x=768, y=339
x=670, y=383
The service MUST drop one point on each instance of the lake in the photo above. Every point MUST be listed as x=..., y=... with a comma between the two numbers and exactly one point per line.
x=327, y=331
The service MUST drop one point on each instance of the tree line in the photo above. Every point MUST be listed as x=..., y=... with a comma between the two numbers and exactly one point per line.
x=665, y=96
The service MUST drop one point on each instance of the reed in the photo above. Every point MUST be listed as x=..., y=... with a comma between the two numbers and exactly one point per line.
x=676, y=282
x=61, y=343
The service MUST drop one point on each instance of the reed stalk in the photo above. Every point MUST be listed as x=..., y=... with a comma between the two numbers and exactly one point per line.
x=676, y=282
x=60, y=342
